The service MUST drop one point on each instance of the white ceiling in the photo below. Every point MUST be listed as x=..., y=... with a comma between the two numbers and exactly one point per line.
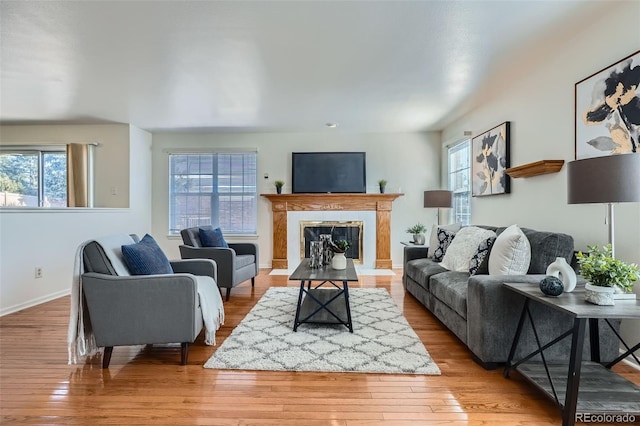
x=373, y=66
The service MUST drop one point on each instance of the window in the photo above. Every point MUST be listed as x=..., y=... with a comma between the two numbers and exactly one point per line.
x=460, y=181
x=217, y=189
x=33, y=178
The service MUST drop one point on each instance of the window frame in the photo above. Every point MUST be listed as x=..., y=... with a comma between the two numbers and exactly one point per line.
x=459, y=193
x=40, y=152
x=215, y=194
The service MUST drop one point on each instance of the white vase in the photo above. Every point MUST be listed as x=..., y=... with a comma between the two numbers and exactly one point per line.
x=339, y=261
x=419, y=238
x=599, y=295
x=564, y=272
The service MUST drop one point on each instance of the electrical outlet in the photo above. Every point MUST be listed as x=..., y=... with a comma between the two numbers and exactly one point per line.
x=38, y=272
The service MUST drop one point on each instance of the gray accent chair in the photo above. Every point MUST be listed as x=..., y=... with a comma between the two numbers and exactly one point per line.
x=143, y=309
x=236, y=264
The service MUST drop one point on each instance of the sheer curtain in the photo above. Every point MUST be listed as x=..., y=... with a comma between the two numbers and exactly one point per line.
x=80, y=175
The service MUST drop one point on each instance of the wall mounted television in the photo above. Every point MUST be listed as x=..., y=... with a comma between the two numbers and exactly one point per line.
x=328, y=172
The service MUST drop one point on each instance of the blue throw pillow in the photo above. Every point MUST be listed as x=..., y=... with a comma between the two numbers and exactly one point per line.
x=146, y=258
x=212, y=238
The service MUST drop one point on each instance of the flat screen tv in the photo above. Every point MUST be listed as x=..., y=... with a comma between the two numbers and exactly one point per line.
x=328, y=172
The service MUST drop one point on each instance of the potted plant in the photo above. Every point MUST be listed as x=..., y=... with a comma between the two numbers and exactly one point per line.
x=606, y=275
x=382, y=183
x=279, y=184
x=417, y=232
x=339, y=247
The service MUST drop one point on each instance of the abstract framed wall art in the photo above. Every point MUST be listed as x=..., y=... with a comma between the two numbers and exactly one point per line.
x=490, y=159
x=607, y=119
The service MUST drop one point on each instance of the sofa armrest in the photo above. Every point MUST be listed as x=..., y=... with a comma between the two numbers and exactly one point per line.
x=204, y=267
x=248, y=248
x=413, y=252
x=142, y=309
x=493, y=312
x=245, y=248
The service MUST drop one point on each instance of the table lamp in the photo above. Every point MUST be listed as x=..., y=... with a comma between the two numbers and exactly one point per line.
x=609, y=179
x=438, y=199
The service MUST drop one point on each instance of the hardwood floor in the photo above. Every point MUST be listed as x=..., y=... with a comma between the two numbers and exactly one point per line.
x=146, y=385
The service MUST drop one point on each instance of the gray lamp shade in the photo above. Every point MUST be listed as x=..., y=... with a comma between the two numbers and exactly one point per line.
x=608, y=179
x=437, y=198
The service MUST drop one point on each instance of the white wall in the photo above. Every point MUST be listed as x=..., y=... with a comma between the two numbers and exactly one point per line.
x=408, y=161
x=538, y=100
x=49, y=238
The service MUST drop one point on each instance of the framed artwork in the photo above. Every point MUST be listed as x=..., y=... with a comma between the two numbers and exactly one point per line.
x=607, y=119
x=490, y=159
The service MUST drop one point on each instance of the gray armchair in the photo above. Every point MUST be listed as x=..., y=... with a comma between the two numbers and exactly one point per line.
x=236, y=264
x=144, y=309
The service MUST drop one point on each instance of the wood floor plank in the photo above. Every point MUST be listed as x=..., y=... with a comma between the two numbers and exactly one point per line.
x=146, y=384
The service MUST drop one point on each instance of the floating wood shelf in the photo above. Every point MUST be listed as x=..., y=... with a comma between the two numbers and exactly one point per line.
x=541, y=167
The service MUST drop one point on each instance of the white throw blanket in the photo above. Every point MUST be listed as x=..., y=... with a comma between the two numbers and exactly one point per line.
x=80, y=339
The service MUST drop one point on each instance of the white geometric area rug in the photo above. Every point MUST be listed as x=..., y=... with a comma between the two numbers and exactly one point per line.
x=382, y=340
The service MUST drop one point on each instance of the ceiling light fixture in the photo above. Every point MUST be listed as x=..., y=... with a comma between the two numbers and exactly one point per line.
x=332, y=125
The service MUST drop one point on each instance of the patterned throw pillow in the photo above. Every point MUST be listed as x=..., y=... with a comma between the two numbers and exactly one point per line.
x=479, y=263
x=463, y=247
x=444, y=240
x=146, y=258
x=212, y=238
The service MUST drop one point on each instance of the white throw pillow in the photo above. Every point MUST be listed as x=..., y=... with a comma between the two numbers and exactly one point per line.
x=433, y=239
x=511, y=253
x=463, y=247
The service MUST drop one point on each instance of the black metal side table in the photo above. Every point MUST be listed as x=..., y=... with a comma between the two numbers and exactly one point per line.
x=584, y=398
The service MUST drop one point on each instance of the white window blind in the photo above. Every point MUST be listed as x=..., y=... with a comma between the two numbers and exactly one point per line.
x=218, y=189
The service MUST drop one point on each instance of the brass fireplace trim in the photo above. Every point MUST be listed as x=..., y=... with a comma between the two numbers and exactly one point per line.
x=337, y=224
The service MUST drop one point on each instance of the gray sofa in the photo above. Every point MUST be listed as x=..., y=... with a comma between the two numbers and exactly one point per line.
x=484, y=315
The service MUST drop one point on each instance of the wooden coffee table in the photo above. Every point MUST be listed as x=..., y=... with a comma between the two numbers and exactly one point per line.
x=328, y=301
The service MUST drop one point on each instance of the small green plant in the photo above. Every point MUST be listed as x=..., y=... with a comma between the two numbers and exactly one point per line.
x=382, y=182
x=418, y=228
x=279, y=183
x=601, y=269
x=340, y=246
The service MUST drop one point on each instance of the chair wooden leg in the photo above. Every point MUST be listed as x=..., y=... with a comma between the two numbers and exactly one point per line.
x=106, y=356
x=253, y=282
x=184, y=353
x=228, y=294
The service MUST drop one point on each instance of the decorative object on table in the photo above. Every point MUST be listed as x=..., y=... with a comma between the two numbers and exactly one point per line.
x=316, y=258
x=327, y=253
x=564, y=272
x=606, y=103
x=382, y=184
x=438, y=199
x=551, y=286
x=339, y=248
x=604, y=273
x=490, y=160
x=279, y=184
x=607, y=180
x=417, y=232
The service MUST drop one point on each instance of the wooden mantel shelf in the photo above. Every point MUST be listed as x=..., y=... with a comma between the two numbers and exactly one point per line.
x=541, y=167
x=380, y=203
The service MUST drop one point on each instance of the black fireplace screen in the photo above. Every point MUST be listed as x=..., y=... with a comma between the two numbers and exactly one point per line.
x=351, y=233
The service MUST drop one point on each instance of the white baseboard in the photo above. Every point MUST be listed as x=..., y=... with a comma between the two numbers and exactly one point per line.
x=34, y=302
